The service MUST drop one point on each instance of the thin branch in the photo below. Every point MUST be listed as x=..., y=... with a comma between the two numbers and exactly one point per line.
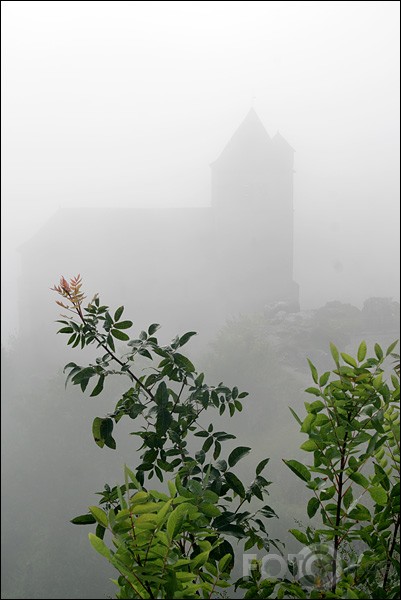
x=391, y=552
x=110, y=352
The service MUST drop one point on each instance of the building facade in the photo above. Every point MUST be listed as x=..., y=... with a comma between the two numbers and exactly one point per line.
x=187, y=268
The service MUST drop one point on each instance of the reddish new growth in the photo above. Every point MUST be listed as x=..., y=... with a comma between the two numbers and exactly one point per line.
x=71, y=291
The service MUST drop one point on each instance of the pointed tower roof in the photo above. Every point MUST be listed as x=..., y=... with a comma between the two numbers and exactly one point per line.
x=251, y=139
x=281, y=142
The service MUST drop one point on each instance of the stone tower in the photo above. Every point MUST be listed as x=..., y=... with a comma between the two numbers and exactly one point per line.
x=252, y=196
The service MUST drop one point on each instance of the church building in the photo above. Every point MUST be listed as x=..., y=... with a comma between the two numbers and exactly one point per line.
x=186, y=268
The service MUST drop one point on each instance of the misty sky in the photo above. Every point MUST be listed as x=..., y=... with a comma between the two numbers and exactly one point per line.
x=128, y=103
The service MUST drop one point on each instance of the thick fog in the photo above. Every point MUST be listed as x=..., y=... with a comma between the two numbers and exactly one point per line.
x=122, y=161
x=128, y=103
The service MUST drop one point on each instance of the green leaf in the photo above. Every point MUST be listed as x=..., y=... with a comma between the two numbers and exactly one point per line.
x=316, y=406
x=294, y=414
x=106, y=428
x=200, y=457
x=340, y=432
x=307, y=423
x=217, y=450
x=120, y=335
x=83, y=520
x=381, y=477
x=234, y=530
x=221, y=465
x=140, y=497
x=70, y=365
x=84, y=374
x=378, y=351
x=309, y=446
x=100, y=531
x=349, y=359
x=267, y=511
x=299, y=469
x=391, y=347
x=360, y=513
x=301, y=537
x=360, y=479
x=176, y=520
x=313, y=390
x=235, y=484
x=108, y=321
x=207, y=444
x=395, y=492
x=110, y=342
x=199, y=560
x=131, y=475
x=99, y=546
x=84, y=384
x=123, y=325
x=224, y=563
x=237, y=454
x=377, y=381
x=312, y=507
x=261, y=465
x=379, y=495
x=164, y=420
x=320, y=420
x=327, y=493
x=324, y=378
x=183, y=362
x=372, y=444
x=210, y=510
x=102, y=429
x=195, y=487
x=96, y=431
x=72, y=373
x=171, y=488
x=362, y=351
x=66, y=330
x=313, y=369
x=334, y=353
x=99, y=515
x=148, y=507
x=348, y=497
x=110, y=442
x=222, y=435
x=162, y=394
x=238, y=405
x=346, y=371
x=118, y=313
x=75, y=344
x=146, y=522
x=187, y=336
x=153, y=328
x=99, y=386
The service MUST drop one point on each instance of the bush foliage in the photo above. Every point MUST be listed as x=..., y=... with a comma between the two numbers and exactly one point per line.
x=179, y=542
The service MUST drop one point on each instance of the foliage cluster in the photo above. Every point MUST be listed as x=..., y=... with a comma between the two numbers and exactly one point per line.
x=179, y=543
x=353, y=441
x=168, y=402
